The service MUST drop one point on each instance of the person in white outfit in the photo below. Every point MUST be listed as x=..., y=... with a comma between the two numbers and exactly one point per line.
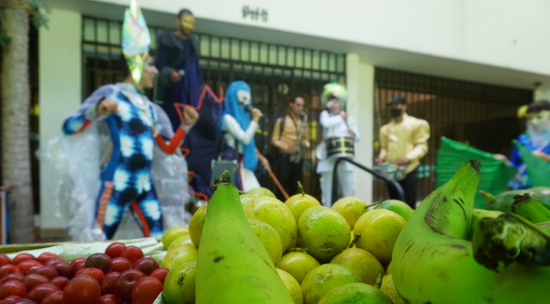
x=239, y=124
x=336, y=123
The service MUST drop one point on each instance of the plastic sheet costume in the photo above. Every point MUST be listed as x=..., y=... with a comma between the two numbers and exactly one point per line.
x=130, y=158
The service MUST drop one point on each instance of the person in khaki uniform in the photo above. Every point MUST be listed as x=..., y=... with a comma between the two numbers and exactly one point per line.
x=290, y=149
x=404, y=141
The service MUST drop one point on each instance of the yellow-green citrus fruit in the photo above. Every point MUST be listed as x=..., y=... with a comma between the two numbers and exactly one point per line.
x=179, y=285
x=351, y=208
x=356, y=293
x=179, y=255
x=324, y=232
x=360, y=262
x=389, y=269
x=261, y=192
x=181, y=241
x=398, y=207
x=246, y=197
x=292, y=286
x=379, y=230
x=173, y=233
x=196, y=224
x=389, y=289
x=273, y=212
x=298, y=264
x=300, y=202
x=323, y=279
x=269, y=237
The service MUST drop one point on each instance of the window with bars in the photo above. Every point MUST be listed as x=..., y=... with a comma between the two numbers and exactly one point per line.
x=483, y=116
x=274, y=72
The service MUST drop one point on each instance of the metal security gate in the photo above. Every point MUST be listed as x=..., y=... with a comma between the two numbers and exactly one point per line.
x=483, y=116
x=274, y=72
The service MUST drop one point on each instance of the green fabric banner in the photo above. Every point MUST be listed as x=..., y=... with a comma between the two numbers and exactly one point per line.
x=537, y=168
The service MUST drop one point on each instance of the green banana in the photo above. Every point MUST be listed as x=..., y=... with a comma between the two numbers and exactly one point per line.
x=544, y=226
x=530, y=208
x=433, y=262
x=478, y=214
x=232, y=264
x=509, y=238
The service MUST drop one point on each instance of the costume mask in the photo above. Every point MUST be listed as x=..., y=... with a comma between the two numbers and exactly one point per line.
x=243, y=97
x=396, y=112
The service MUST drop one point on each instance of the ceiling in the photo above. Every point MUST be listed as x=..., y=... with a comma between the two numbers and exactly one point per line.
x=378, y=56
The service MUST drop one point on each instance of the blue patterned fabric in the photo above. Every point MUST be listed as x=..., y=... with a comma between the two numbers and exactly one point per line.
x=129, y=167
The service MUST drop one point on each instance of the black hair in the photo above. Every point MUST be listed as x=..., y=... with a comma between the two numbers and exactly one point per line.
x=398, y=100
x=184, y=11
x=538, y=106
x=293, y=99
x=124, y=65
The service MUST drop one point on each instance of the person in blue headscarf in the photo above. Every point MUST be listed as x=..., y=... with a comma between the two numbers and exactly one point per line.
x=239, y=124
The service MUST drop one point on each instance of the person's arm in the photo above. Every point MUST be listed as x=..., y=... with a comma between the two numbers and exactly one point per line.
x=235, y=130
x=305, y=136
x=383, y=137
x=171, y=145
x=353, y=127
x=420, y=138
x=87, y=112
x=328, y=121
x=276, y=136
x=161, y=60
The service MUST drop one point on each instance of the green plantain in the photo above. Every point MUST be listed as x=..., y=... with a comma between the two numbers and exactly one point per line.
x=434, y=263
x=233, y=265
x=530, y=208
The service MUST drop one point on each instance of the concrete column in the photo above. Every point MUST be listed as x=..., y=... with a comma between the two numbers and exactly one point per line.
x=360, y=84
x=60, y=94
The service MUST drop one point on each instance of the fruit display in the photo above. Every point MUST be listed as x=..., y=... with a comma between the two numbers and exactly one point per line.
x=253, y=248
x=121, y=274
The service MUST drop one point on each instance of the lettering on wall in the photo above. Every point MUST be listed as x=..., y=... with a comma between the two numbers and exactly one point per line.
x=255, y=13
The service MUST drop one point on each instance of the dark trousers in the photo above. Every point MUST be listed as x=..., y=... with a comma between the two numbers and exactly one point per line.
x=409, y=187
x=289, y=174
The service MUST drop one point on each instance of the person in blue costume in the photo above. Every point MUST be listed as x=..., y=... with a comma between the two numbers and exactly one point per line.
x=180, y=83
x=140, y=147
x=239, y=124
x=536, y=139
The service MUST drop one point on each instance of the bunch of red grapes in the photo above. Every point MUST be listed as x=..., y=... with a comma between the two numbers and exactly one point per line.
x=120, y=275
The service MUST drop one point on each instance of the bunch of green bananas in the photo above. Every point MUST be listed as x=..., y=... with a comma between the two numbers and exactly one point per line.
x=434, y=262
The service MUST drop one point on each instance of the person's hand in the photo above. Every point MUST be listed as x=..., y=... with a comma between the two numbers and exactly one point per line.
x=344, y=115
x=542, y=155
x=291, y=149
x=378, y=161
x=190, y=115
x=351, y=133
x=175, y=76
x=256, y=114
x=502, y=158
x=403, y=161
x=106, y=107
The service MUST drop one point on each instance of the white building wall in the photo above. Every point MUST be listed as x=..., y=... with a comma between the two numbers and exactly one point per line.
x=60, y=83
x=501, y=33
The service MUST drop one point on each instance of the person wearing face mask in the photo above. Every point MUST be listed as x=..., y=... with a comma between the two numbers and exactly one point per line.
x=181, y=83
x=338, y=127
x=238, y=125
x=404, y=141
x=536, y=139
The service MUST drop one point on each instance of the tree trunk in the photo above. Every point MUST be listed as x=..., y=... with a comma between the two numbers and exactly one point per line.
x=16, y=171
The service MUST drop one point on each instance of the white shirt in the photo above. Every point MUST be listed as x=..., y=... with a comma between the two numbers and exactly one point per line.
x=336, y=126
x=235, y=132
